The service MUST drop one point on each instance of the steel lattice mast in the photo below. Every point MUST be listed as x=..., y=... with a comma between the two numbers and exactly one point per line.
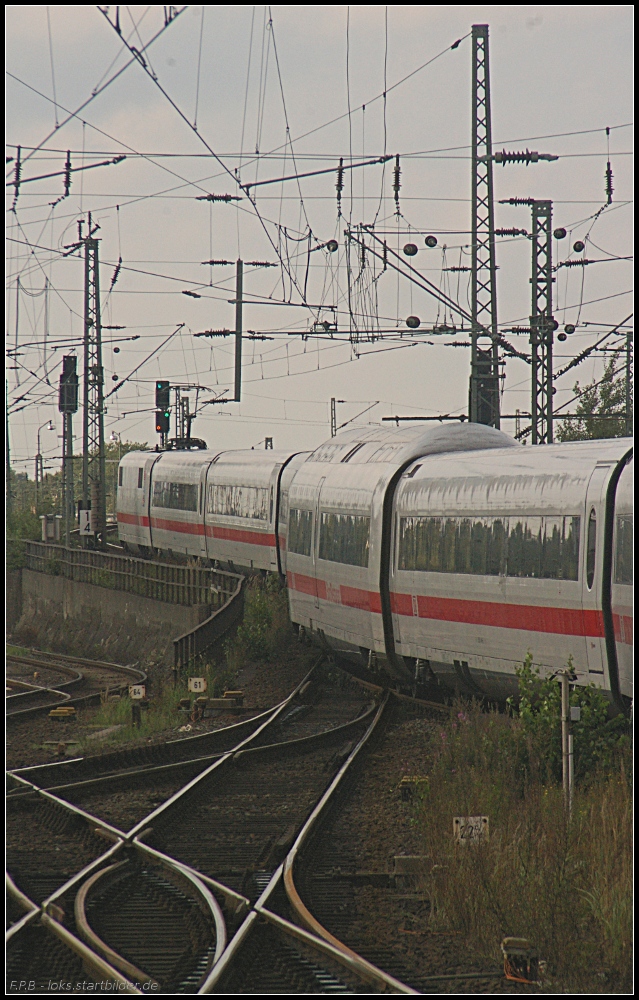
x=93, y=457
x=484, y=365
x=542, y=324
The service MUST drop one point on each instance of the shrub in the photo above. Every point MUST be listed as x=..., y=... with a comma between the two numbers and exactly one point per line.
x=564, y=882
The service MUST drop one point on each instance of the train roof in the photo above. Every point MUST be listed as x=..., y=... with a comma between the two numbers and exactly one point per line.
x=396, y=445
x=182, y=459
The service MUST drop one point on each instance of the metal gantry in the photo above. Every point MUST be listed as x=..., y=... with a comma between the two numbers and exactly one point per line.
x=93, y=456
x=484, y=364
x=542, y=323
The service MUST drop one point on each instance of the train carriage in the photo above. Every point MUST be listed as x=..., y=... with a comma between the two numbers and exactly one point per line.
x=240, y=508
x=448, y=551
x=496, y=554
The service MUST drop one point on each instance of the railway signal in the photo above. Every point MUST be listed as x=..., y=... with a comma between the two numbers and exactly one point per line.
x=162, y=408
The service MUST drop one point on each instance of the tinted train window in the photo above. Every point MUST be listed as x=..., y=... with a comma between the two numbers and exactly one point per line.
x=140, y=478
x=175, y=496
x=120, y=473
x=283, y=505
x=545, y=548
x=239, y=501
x=623, y=550
x=344, y=538
x=300, y=531
x=591, y=549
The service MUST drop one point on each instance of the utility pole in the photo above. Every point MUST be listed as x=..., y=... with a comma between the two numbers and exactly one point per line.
x=484, y=363
x=542, y=324
x=239, y=285
x=93, y=457
x=68, y=405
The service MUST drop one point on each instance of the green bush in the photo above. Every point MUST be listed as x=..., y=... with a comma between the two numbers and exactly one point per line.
x=16, y=557
x=53, y=567
x=24, y=524
x=598, y=739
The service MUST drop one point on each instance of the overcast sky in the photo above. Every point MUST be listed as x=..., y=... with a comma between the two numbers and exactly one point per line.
x=275, y=82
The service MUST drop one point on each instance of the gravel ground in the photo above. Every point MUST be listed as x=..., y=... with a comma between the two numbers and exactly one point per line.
x=264, y=684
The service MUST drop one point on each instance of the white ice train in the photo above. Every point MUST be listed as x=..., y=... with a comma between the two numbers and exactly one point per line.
x=449, y=551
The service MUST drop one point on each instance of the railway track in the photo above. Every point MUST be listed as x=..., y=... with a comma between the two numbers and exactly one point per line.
x=355, y=875
x=56, y=680
x=157, y=904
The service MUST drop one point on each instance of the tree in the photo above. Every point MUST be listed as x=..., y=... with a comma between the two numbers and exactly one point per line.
x=24, y=519
x=604, y=399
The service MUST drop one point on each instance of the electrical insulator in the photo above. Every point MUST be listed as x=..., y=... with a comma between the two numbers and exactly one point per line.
x=332, y=246
x=569, y=328
x=579, y=246
x=413, y=322
x=431, y=241
x=560, y=234
x=517, y=201
x=511, y=232
x=340, y=185
x=609, y=187
x=116, y=350
x=115, y=378
x=529, y=156
x=410, y=249
x=562, y=337
x=396, y=182
x=385, y=255
x=67, y=175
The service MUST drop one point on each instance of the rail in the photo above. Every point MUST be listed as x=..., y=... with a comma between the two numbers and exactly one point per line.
x=173, y=584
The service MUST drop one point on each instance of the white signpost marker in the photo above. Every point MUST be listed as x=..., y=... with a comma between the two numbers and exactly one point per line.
x=470, y=829
x=197, y=684
x=85, y=522
x=137, y=692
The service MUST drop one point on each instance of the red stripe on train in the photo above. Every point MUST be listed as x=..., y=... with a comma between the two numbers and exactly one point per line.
x=197, y=528
x=528, y=618
x=623, y=626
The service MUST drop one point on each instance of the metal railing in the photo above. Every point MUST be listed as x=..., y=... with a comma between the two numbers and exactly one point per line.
x=192, y=644
x=173, y=584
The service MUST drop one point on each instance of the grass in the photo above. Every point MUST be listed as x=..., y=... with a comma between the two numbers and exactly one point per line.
x=17, y=651
x=264, y=632
x=563, y=883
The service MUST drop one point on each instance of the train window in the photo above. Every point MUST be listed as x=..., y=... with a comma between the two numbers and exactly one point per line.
x=546, y=548
x=344, y=538
x=284, y=505
x=175, y=496
x=120, y=473
x=270, y=506
x=386, y=453
x=140, y=478
x=591, y=548
x=239, y=501
x=300, y=531
x=623, y=549
x=327, y=452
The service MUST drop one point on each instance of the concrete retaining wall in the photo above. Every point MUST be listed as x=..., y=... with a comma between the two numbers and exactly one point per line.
x=83, y=620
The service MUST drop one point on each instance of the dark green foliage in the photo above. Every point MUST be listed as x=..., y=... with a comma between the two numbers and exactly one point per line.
x=598, y=739
x=606, y=399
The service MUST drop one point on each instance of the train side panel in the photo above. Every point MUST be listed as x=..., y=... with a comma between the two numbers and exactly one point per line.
x=497, y=554
x=622, y=580
x=239, y=509
x=176, y=502
x=132, y=501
